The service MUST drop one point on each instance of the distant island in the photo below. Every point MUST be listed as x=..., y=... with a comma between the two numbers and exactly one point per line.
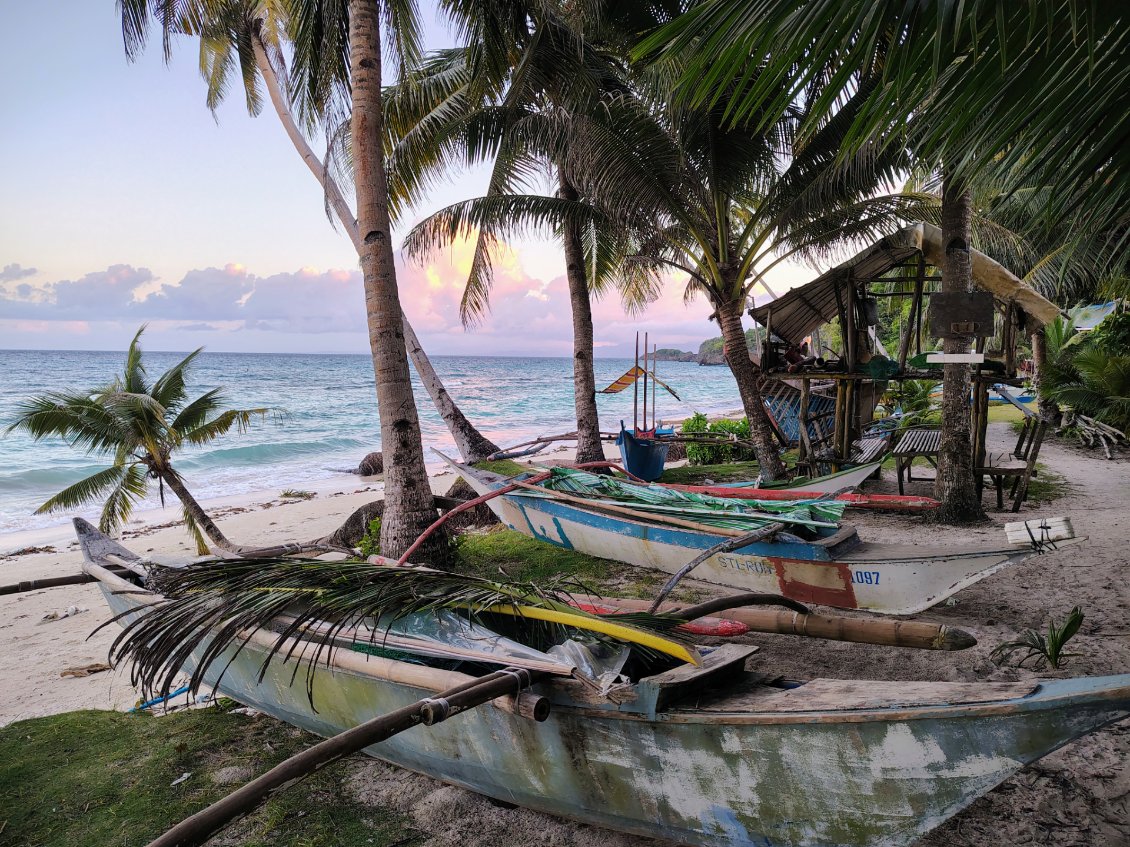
x=710, y=352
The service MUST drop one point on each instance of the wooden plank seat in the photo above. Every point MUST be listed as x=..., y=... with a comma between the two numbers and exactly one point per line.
x=1019, y=465
x=913, y=443
x=868, y=449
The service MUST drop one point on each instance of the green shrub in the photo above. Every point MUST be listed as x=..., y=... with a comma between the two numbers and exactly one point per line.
x=1039, y=650
x=724, y=452
x=370, y=544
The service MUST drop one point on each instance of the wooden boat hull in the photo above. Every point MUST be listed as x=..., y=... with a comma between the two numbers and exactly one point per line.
x=889, y=579
x=851, y=479
x=790, y=768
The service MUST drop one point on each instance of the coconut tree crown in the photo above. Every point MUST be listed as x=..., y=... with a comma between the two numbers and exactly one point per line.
x=140, y=424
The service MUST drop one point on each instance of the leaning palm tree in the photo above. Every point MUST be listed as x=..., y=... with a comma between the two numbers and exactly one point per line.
x=724, y=204
x=140, y=424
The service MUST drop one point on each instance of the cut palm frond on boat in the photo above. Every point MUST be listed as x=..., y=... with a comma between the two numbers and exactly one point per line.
x=311, y=607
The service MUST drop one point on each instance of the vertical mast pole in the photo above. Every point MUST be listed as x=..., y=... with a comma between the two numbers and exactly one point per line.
x=636, y=390
x=654, y=368
x=645, y=380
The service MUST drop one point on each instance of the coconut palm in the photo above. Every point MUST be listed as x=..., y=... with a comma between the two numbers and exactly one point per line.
x=728, y=203
x=248, y=38
x=141, y=424
x=970, y=83
x=337, y=53
x=540, y=115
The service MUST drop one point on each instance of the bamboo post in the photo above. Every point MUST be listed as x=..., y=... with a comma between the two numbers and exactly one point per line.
x=837, y=423
x=804, y=446
x=912, y=319
x=654, y=368
x=918, y=329
x=198, y=828
x=920, y=635
x=853, y=341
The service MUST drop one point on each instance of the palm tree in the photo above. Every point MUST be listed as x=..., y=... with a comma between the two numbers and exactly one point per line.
x=140, y=424
x=970, y=82
x=248, y=37
x=727, y=203
x=539, y=115
x=337, y=64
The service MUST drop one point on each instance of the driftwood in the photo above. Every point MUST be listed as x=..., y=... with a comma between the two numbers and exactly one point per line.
x=56, y=581
x=1093, y=433
x=201, y=826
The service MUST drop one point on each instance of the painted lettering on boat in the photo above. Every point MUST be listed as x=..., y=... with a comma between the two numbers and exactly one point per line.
x=865, y=577
x=753, y=564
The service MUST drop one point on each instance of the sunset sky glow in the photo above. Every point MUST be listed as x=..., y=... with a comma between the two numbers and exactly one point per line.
x=125, y=201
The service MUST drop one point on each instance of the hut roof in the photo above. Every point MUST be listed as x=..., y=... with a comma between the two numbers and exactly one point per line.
x=799, y=311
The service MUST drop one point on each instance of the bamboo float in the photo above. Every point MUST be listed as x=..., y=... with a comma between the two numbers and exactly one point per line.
x=201, y=826
x=918, y=635
x=54, y=582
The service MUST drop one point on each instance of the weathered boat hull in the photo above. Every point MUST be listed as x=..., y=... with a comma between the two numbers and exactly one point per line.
x=730, y=777
x=849, y=479
x=880, y=578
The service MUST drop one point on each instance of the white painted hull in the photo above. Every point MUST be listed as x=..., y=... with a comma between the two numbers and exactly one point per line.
x=873, y=577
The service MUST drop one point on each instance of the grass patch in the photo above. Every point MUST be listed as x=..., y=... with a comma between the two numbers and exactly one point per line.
x=526, y=560
x=297, y=494
x=506, y=467
x=1048, y=486
x=1006, y=413
x=99, y=777
x=698, y=474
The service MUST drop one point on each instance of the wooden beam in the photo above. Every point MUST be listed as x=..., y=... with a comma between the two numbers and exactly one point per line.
x=912, y=322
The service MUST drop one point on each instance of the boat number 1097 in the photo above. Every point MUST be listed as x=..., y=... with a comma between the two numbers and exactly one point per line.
x=865, y=577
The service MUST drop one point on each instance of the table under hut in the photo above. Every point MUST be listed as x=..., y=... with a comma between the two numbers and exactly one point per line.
x=828, y=368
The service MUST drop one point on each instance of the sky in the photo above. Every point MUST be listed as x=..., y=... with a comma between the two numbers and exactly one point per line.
x=125, y=201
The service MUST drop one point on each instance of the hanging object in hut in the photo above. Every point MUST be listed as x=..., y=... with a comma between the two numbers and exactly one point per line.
x=641, y=450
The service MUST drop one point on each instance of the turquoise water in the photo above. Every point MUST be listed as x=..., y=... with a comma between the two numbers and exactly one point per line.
x=331, y=415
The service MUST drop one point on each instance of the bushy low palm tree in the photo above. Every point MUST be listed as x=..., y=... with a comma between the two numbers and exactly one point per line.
x=141, y=424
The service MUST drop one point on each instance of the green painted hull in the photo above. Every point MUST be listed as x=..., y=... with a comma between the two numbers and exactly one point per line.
x=761, y=772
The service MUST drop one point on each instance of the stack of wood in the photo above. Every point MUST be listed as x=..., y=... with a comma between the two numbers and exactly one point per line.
x=1092, y=433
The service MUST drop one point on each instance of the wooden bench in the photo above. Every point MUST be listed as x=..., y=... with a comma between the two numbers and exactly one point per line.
x=913, y=443
x=1019, y=465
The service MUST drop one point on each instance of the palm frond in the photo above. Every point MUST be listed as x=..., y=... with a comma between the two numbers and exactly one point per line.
x=122, y=498
x=210, y=609
x=85, y=490
x=240, y=419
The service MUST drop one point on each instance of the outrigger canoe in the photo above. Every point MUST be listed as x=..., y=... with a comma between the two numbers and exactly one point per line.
x=835, y=568
x=715, y=755
x=848, y=479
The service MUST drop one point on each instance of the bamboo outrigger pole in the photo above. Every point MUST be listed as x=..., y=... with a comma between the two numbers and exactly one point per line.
x=204, y=824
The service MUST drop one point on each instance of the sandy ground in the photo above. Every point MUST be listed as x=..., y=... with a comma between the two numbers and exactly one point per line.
x=1077, y=796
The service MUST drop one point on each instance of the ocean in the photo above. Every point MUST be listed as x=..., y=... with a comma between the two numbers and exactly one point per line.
x=330, y=419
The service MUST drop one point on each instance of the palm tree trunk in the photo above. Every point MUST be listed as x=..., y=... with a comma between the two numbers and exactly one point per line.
x=745, y=374
x=955, y=486
x=192, y=507
x=472, y=445
x=409, y=508
x=589, y=448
